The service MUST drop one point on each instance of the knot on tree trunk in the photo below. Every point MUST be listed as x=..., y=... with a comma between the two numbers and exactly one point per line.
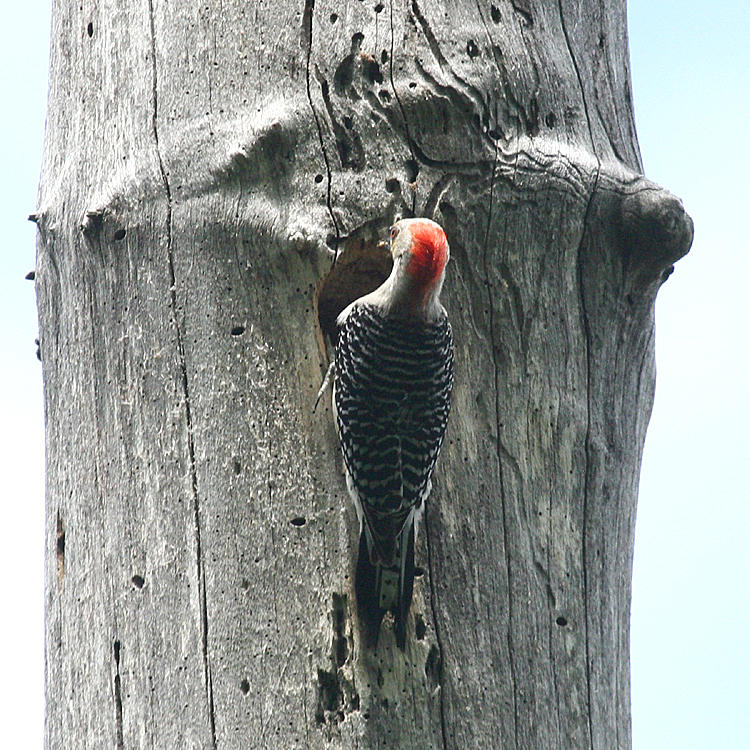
x=656, y=231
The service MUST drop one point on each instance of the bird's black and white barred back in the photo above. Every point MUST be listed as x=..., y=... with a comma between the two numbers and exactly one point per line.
x=392, y=388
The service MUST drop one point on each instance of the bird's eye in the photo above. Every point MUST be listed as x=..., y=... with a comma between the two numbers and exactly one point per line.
x=394, y=232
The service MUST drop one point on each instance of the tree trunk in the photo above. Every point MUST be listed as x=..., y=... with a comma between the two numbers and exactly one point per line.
x=204, y=165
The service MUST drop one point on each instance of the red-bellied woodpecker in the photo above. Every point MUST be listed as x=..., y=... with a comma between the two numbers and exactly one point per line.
x=391, y=397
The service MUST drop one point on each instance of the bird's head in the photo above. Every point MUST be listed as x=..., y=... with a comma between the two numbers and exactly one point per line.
x=420, y=253
x=420, y=250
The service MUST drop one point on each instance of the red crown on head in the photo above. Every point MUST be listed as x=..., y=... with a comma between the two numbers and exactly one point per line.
x=429, y=252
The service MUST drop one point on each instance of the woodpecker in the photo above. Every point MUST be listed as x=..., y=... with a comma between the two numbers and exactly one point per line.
x=393, y=375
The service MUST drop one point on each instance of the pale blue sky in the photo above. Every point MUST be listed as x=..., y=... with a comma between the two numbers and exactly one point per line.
x=691, y=603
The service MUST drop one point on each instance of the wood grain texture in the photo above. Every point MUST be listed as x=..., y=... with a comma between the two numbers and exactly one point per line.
x=204, y=165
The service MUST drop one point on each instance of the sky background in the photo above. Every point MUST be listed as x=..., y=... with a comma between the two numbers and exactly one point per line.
x=691, y=598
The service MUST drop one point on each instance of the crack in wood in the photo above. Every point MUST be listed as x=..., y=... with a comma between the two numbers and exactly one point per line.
x=499, y=450
x=438, y=674
x=348, y=142
x=409, y=141
x=601, y=71
x=119, y=737
x=200, y=570
x=587, y=454
x=588, y=341
x=307, y=36
x=60, y=548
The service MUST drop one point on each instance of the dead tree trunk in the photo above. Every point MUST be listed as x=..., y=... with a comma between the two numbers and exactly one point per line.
x=204, y=165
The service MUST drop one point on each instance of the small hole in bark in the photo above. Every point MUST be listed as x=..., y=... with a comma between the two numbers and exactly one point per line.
x=550, y=119
x=333, y=18
x=90, y=29
x=245, y=584
x=298, y=521
x=245, y=687
x=412, y=170
x=495, y=13
x=379, y=7
x=471, y=49
x=522, y=8
x=60, y=548
x=318, y=178
x=348, y=123
x=237, y=466
x=340, y=646
x=237, y=330
x=392, y=185
x=138, y=581
x=419, y=628
x=372, y=70
x=383, y=57
x=418, y=572
x=561, y=621
x=119, y=234
x=330, y=697
x=433, y=666
x=384, y=95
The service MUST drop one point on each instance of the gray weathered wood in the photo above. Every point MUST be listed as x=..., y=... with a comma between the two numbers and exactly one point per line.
x=204, y=164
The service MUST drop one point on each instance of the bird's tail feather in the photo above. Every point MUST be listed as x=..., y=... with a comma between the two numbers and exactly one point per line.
x=381, y=588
